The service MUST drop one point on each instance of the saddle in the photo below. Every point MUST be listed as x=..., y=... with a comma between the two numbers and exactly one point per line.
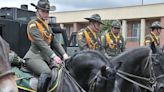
x=26, y=80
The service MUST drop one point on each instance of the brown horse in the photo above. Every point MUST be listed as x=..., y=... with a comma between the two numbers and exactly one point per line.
x=7, y=78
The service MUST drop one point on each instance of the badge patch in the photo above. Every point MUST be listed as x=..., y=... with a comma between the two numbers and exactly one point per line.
x=32, y=25
x=147, y=41
x=80, y=35
x=120, y=41
x=111, y=41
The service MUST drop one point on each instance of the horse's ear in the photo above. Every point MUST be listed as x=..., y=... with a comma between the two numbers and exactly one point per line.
x=153, y=47
x=103, y=71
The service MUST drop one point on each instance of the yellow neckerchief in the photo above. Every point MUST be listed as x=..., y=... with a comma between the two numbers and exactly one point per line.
x=94, y=33
x=43, y=34
x=153, y=38
x=43, y=22
x=107, y=37
x=115, y=37
x=88, y=39
x=154, y=35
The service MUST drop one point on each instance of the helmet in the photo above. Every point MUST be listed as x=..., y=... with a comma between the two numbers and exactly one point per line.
x=43, y=5
x=156, y=24
x=116, y=24
x=95, y=17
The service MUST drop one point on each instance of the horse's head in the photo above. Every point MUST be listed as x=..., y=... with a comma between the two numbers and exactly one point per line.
x=89, y=67
x=158, y=68
x=7, y=78
x=108, y=72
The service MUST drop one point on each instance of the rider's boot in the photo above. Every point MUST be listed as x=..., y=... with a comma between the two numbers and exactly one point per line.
x=43, y=82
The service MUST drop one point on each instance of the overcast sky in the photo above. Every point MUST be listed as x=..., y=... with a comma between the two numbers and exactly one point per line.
x=71, y=5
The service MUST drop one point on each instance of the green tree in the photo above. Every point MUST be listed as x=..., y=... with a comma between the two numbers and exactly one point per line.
x=106, y=26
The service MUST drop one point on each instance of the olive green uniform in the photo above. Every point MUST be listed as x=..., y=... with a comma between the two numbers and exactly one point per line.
x=94, y=41
x=152, y=38
x=87, y=38
x=115, y=46
x=39, y=55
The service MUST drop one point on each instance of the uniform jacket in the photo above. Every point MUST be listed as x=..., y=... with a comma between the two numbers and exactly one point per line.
x=113, y=45
x=88, y=39
x=40, y=42
x=152, y=38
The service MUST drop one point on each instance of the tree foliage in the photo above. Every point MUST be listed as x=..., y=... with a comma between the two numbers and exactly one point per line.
x=106, y=26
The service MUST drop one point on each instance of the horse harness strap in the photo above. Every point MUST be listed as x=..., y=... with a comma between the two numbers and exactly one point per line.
x=134, y=82
x=92, y=83
x=81, y=89
x=151, y=80
x=6, y=73
x=58, y=79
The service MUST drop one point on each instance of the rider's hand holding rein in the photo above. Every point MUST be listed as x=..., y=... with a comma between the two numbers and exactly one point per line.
x=56, y=59
x=65, y=57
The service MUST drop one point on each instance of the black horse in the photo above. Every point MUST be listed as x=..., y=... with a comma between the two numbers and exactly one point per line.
x=92, y=71
x=140, y=70
x=65, y=82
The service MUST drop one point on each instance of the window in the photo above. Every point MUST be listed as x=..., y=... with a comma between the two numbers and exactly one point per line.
x=135, y=32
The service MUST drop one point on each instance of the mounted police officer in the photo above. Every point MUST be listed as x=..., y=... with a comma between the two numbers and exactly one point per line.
x=153, y=35
x=88, y=38
x=113, y=41
x=40, y=56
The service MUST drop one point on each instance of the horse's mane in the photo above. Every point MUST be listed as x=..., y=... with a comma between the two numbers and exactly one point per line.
x=131, y=55
x=4, y=51
x=95, y=53
x=161, y=62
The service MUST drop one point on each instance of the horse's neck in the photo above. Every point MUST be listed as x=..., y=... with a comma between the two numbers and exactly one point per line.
x=134, y=61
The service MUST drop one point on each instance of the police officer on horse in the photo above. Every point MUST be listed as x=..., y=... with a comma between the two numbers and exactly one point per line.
x=113, y=41
x=153, y=36
x=88, y=38
x=40, y=57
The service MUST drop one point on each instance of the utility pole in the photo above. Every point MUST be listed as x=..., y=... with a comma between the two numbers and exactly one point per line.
x=142, y=3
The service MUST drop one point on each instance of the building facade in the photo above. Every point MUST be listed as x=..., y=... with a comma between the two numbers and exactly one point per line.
x=136, y=20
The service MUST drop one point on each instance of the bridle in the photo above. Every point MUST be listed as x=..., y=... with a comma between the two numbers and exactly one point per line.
x=152, y=80
x=92, y=83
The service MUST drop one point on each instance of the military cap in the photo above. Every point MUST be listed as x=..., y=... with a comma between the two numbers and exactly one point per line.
x=95, y=17
x=156, y=24
x=116, y=24
x=43, y=5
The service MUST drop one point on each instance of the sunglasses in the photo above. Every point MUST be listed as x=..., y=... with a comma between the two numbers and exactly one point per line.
x=45, y=11
x=117, y=28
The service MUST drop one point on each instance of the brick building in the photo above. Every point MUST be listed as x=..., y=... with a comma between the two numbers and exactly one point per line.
x=136, y=20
